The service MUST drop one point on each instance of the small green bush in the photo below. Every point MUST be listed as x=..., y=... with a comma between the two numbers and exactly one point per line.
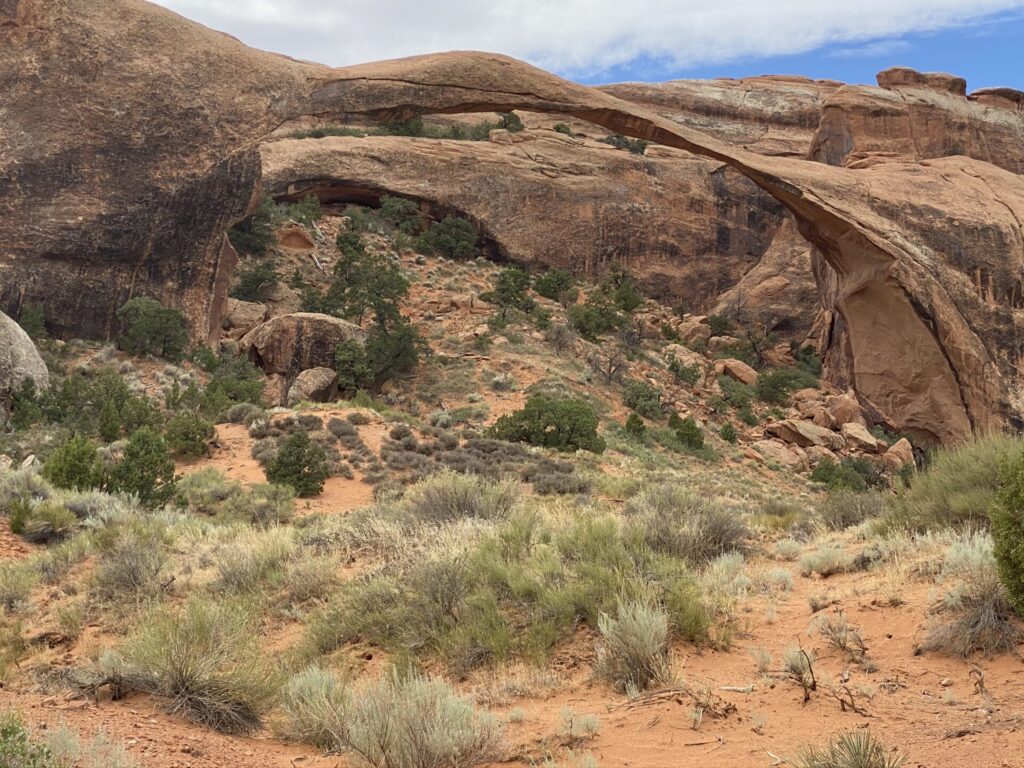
x=633, y=653
x=689, y=434
x=635, y=146
x=958, y=488
x=677, y=522
x=635, y=425
x=18, y=749
x=448, y=496
x=595, y=316
x=205, y=659
x=643, y=398
x=253, y=279
x=511, y=290
x=300, y=464
x=562, y=424
x=720, y=325
x=188, y=435
x=557, y=285
x=774, y=386
x=454, y=238
x=33, y=321
x=1007, y=514
x=728, y=432
x=75, y=464
x=255, y=233
x=401, y=213
x=304, y=212
x=146, y=469
x=844, y=508
x=682, y=373
x=852, y=749
x=149, y=328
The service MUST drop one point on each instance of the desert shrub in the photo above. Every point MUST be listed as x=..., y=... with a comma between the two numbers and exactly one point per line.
x=253, y=279
x=562, y=128
x=551, y=422
x=689, y=434
x=621, y=287
x=255, y=233
x=188, y=434
x=595, y=316
x=826, y=560
x=557, y=285
x=633, y=652
x=390, y=351
x=448, y=496
x=22, y=488
x=300, y=464
x=263, y=505
x=510, y=290
x=232, y=380
x=454, y=238
x=728, y=432
x=394, y=722
x=33, y=321
x=17, y=747
x=634, y=146
x=130, y=560
x=314, y=703
x=850, y=474
x=205, y=659
x=149, y=328
x=304, y=212
x=1007, y=514
x=683, y=373
x=774, y=386
x=842, y=509
x=252, y=558
x=75, y=464
x=243, y=413
x=643, y=398
x=46, y=521
x=146, y=469
x=673, y=520
x=16, y=583
x=958, y=487
x=341, y=427
x=400, y=213
x=310, y=578
x=720, y=325
x=852, y=749
x=578, y=727
x=203, y=492
x=976, y=613
x=635, y=425
x=560, y=336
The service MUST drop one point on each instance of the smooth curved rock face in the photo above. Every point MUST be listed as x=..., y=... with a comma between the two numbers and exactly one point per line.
x=286, y=345
x=772, y=115
x=19, y=361
x=686, y=227
x=137, y=199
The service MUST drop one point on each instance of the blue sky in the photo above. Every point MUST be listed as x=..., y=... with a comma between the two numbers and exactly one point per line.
x=988, y=53
x=598, y=41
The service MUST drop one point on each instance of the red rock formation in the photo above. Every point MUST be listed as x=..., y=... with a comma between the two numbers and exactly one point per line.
x=925, y=256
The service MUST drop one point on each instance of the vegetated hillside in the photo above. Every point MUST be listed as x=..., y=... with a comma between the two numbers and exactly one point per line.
x=501, y=517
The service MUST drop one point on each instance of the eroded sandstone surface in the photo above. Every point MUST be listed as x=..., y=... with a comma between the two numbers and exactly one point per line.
x=132, y=141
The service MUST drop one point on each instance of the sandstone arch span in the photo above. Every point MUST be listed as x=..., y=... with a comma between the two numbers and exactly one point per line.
x=133, y=142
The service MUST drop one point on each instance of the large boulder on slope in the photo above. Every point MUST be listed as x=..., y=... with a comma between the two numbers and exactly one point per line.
x=19, y=360
x=289, y=344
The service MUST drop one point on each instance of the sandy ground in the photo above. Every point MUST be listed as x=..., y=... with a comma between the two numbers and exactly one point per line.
x=928, y=706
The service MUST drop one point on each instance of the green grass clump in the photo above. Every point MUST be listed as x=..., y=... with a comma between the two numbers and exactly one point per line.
x=958, y=487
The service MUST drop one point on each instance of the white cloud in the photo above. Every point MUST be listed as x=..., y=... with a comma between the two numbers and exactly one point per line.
x=576, y=37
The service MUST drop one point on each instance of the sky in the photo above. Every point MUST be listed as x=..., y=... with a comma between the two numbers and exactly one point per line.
x=603, y=41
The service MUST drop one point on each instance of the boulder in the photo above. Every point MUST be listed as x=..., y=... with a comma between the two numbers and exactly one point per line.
x=315, y=385
x=736, y=369
x=240, y=317
x=782, y=454
x=805, y=433
x=19, y=361
x=289, y=344
x=900, y=454
x=845, y=409
x=859, y=439
x=275, y=392
x=822, y=418
x=694, y=330
x=817, y=454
